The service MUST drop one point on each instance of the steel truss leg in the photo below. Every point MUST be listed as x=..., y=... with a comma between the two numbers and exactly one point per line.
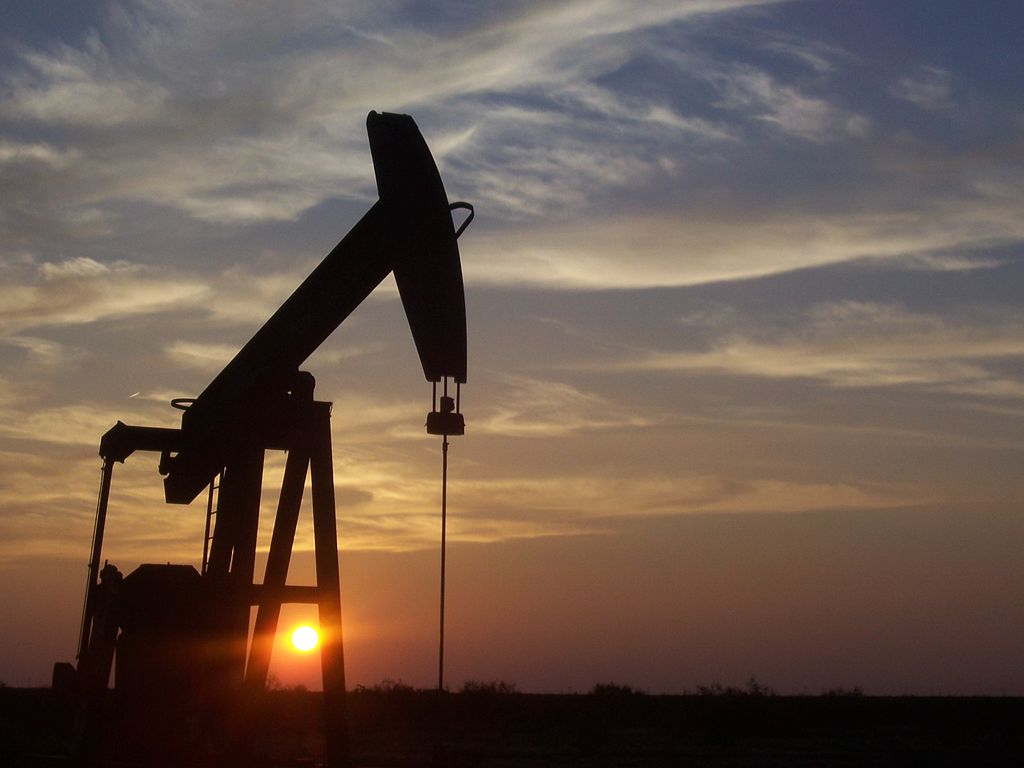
x=325, y=534
x=232, y=559
x=277, y=566
x=237, y=520
x=230, y=574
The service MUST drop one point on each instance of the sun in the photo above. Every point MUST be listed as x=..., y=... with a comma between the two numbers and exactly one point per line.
x=305, y=638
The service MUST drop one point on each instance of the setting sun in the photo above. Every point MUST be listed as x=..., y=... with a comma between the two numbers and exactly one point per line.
x=305, y=638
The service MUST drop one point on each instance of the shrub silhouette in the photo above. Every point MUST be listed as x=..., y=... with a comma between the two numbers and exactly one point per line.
x=752, y=688
x=488, y=688
x=615, y=689
x=388, y=686
x=855, y=691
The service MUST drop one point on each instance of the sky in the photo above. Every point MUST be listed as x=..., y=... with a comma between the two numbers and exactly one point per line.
x=746, y=327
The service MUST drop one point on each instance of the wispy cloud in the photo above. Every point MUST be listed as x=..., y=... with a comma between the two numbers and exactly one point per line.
x=689, y=249
x=82, y=290
x=81, y=424
x=211, y=357
x=14, y=152
x=531, y=407
x=789, y=110
x=44, y=353
x=494, y=510
x=520, y=110
x=930, y=88
x=816, y=55
x=277, y=131
x=84, y=86
x=856, y=344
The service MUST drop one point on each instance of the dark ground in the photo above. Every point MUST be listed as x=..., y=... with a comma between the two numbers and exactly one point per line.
x=396, y=728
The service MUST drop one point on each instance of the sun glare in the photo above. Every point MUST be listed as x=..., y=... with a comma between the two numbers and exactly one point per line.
x=305, y=638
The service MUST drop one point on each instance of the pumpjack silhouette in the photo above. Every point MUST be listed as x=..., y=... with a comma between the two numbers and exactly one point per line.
x=188, y=673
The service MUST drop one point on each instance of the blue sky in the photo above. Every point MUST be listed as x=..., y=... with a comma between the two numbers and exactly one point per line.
x=736, y=266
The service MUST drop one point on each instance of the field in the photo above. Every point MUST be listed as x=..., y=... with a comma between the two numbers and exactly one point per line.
x=492, y=730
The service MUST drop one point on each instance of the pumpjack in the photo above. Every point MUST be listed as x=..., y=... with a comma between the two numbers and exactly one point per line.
x=188, y=670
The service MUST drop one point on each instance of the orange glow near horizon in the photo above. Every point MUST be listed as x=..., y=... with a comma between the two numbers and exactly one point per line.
x=304, y=638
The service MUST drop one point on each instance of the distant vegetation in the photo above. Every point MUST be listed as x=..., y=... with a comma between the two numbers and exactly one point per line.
x=387, y=685
x=855, y=691
x=274, y=684
x=488, y=688
x=615, y=689
x=752, y=688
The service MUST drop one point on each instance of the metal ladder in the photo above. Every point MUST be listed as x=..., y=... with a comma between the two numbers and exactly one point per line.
x=211, y=511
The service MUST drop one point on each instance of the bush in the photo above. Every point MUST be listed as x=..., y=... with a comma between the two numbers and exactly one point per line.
x=274, y=684
x=488, y=688
x=753, y=688
x=388, y=686
x=855, y=691
x=615, y=689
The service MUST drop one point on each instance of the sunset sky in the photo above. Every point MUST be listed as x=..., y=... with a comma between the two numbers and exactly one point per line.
x=746, y=325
